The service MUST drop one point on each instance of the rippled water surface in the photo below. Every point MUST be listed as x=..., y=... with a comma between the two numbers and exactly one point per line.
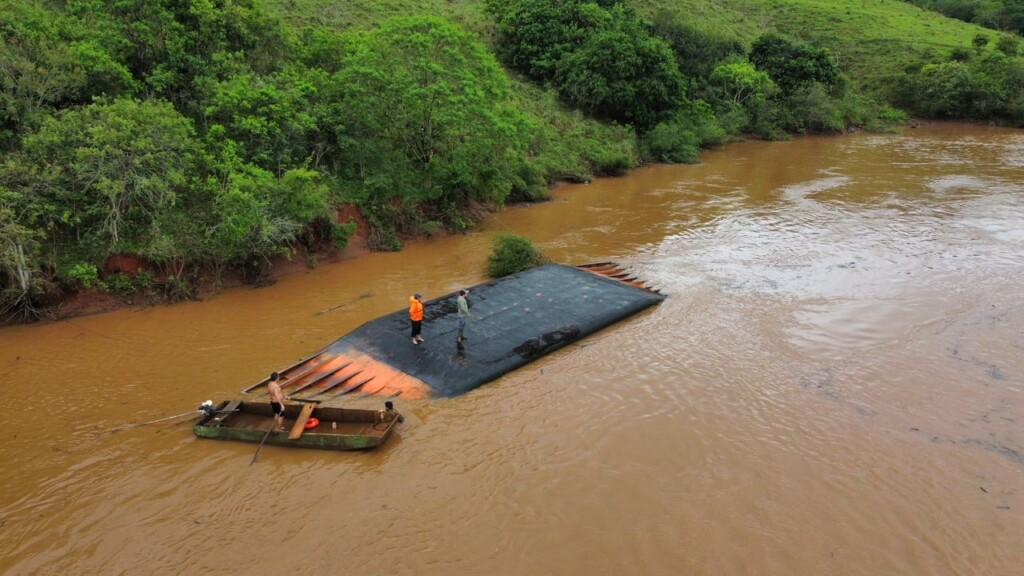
x=835, y=386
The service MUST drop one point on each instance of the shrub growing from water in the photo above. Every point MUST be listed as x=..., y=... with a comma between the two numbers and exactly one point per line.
x=512, y=254
x=681, y=139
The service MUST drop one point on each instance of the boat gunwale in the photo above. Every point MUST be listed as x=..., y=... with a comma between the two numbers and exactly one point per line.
x=329, y=440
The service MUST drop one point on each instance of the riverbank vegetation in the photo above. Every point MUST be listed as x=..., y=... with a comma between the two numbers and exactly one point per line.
x=194, y=139
x=998, y=14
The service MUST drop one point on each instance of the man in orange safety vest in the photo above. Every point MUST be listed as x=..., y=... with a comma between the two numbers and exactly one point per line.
x=416, y=317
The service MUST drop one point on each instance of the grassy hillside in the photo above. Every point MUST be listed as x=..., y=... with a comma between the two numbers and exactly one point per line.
x=872, y=39
x=349, y=13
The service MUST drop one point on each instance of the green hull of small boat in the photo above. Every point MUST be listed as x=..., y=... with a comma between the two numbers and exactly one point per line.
x=338, y=429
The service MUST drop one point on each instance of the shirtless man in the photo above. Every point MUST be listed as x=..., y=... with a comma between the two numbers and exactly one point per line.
x=277, y=399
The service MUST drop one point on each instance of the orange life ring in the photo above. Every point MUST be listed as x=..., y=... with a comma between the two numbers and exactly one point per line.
x=312, y=423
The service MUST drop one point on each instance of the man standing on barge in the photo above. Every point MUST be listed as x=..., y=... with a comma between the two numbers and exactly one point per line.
x=463, y=309
x=416, y=317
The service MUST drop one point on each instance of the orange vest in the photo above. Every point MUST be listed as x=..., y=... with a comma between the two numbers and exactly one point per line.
x=415, y=310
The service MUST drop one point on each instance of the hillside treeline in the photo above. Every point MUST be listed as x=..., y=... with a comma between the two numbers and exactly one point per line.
x=999, y=14
x=204, y=136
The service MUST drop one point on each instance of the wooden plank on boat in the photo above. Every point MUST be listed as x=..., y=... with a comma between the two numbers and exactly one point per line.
x=300, y=423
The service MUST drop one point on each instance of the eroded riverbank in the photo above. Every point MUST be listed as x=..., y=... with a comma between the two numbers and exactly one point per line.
x=834, y=386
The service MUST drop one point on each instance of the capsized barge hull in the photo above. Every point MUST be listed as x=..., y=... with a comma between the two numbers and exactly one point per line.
x=514, y=321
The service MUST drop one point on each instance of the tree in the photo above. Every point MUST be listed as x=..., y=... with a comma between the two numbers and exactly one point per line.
x=740, y=83
x=424, y=112
x=1008, y=45
x=979, y=42
x=512, y=254
x=274, y=118
x=50, y=60
x=698, y=49
x=623, y=73
x=250, y=224
x=945, y=89
x=103, y=176
x=600, y=55
x=20, y=281
x=172, y=47
x=1014, y=15
x=534, y=35
x=792, y=64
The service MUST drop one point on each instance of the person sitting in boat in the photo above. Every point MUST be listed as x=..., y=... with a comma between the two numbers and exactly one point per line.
x=389, y=413
x=277, y=399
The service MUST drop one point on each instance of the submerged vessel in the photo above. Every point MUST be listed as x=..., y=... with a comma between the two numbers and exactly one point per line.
x=514, y=320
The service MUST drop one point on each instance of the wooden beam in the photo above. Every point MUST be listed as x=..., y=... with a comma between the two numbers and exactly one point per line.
x=300, y=423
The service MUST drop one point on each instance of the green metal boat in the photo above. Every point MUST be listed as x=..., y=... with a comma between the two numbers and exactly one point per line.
x=337, y=428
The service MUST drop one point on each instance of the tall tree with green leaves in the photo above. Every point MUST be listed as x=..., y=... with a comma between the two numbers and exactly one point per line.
x=423, y=112
x=622, y=72
x=103, y=177
x=792, y=64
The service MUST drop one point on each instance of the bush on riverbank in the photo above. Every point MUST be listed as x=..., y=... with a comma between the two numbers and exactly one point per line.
x=987, y=86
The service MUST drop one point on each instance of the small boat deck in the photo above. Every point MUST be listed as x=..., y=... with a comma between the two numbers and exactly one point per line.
x=338, y=429
x=260, y=423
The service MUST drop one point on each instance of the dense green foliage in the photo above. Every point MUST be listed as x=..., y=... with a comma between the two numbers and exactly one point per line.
x=999, y=14
x=792, y=65
x=988, y=86
x=425, y=116
x=601, y=58
x=205, y=135
x=108, y=178
x=208, y=135
x=698, y=47
x=621, y=72
x=608, y=61
x=512, y=254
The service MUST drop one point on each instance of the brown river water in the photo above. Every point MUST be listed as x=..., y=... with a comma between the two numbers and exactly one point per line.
x=834, y=386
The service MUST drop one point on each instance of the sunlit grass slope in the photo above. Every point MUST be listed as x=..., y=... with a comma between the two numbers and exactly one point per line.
x=871, y=38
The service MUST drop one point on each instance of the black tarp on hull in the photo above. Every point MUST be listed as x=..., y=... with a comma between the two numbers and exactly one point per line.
x=514, y=320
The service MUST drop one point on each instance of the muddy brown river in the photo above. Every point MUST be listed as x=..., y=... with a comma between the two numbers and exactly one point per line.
x=834, y=386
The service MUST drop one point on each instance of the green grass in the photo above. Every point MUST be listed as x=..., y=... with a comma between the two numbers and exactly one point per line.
x=348, y=13
x=871, y=38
